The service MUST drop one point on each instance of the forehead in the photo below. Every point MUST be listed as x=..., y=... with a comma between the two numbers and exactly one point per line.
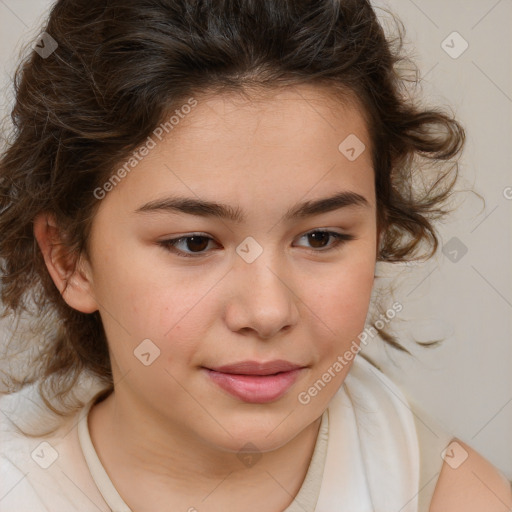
x=270, y=145
x=308, y=111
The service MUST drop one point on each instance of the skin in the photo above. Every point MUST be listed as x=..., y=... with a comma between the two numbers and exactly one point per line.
x=167, y=428
x=474, y=486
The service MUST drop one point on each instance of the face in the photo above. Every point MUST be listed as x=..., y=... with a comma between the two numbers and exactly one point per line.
x=219, y=320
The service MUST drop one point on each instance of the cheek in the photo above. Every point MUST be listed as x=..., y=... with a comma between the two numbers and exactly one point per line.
x=160, y=311
x=341, y=303
x=174, y=311
x=140, y=292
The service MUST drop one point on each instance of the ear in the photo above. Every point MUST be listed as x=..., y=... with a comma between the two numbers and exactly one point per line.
x=71, y=273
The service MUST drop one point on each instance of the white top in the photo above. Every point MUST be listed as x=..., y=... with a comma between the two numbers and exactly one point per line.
x=366, y=457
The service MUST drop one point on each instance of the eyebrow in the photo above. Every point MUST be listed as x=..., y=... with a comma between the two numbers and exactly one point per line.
x=204, y=208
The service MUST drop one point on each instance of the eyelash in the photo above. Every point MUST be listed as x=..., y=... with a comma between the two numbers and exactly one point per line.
x=170, y=245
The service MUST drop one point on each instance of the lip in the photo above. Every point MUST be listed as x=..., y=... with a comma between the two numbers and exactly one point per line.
x=256, y=382
x=257, y=368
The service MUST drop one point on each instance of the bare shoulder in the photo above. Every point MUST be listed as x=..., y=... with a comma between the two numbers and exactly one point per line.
x=468, y=482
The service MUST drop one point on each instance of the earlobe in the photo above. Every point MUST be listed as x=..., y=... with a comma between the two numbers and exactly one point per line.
x=73, y=282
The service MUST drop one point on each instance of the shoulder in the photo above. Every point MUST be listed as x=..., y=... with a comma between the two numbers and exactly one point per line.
x=42, y=471
x=468, y=482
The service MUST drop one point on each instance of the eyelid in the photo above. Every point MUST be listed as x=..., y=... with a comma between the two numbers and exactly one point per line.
x=169, y=245
x=340, y=240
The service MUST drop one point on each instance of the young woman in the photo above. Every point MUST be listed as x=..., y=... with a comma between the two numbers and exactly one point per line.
x=193, y=203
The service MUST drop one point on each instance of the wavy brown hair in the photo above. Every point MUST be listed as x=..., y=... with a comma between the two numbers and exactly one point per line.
x=121, y=66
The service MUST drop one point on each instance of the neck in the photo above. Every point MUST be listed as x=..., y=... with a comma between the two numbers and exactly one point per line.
x=140, y=450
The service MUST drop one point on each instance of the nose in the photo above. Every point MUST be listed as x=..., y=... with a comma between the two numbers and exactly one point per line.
x=263, y=297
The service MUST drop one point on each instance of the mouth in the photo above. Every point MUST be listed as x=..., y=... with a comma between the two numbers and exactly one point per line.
x=255, y=382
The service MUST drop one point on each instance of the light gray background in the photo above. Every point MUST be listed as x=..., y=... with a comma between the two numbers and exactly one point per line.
x=466, y=382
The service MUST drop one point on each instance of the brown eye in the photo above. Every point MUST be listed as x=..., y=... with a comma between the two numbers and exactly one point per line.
x=319, y=239
x=196, y=243
x=191, y=246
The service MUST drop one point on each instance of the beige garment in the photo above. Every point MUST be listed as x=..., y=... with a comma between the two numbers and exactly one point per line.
x=366, y=457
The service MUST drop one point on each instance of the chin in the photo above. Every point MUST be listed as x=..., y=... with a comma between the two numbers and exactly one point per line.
x=259, y=431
